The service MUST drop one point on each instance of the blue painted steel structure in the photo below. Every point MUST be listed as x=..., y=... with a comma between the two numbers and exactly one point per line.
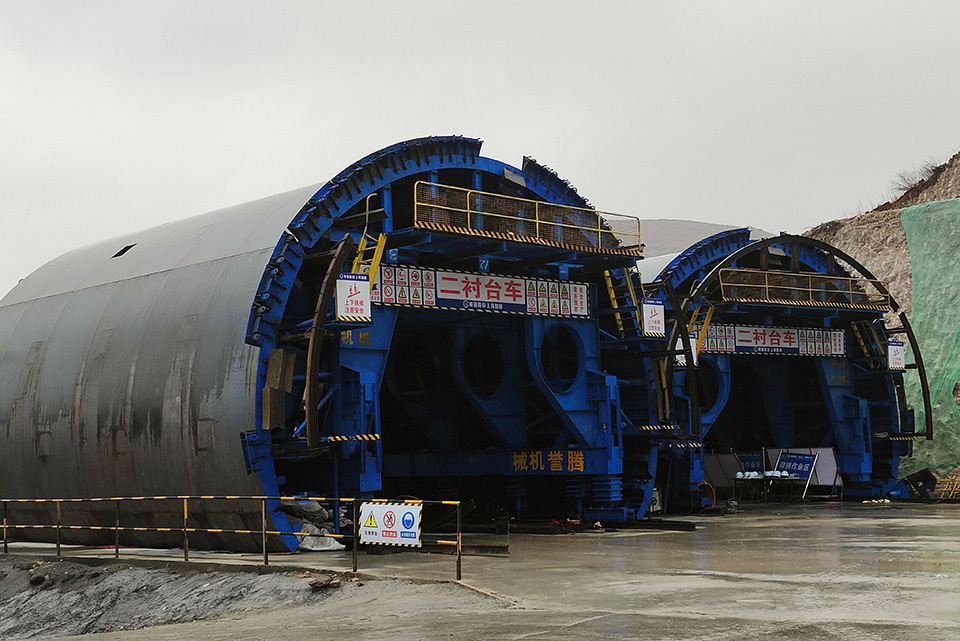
x=515, y=431
x=576, y=416
x=857, y=401
x=540, y=413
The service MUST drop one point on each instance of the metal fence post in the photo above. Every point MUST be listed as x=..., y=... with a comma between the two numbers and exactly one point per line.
x=459, y=545
x=59, y=517
x=356, y=536
x=6, y=550
x=116, y=534
x=263, y=531
x=186, y=538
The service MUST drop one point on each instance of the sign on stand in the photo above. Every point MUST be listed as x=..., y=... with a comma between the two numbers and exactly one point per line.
x=797, y=466
x=390, y=524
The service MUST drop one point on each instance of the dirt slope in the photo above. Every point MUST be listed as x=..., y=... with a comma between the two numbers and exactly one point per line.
x=876, y=238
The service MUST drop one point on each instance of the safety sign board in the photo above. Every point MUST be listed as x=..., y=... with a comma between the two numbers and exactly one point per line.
x=422, y=287
x=896, y=355
x=653, y=317
x=353, y=296
x=390, y=524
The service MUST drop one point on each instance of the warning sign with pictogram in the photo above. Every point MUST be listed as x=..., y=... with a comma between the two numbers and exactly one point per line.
x=381, y=524
x=389, y=294
x=353, y=296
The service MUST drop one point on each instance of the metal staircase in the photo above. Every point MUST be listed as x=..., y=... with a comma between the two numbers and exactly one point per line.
x=873, y=347
x=623, y=300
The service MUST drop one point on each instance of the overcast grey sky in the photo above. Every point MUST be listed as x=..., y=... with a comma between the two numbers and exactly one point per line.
x=121, y=115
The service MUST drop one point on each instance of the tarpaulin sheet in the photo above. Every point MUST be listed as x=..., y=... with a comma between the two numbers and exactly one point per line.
x=933, y=237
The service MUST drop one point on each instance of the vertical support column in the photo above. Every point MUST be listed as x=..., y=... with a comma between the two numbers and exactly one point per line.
x=459, y=546
x=477, y=186
x=186, y=540
x=116, y=533
x=6, y=550
x=356, y=536
x=59, y=519
x=263, y=530
x=386, y=201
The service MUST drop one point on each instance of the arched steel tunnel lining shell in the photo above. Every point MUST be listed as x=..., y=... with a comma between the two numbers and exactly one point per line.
x=177, y=301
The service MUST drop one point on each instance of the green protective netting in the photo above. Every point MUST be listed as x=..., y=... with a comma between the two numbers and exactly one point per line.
x=933, y=237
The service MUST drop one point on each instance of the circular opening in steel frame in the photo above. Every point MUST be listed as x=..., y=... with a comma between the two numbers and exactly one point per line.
x=483, y=365
x=560, y=357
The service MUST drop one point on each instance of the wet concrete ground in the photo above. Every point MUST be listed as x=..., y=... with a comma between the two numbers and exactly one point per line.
x=794, y=572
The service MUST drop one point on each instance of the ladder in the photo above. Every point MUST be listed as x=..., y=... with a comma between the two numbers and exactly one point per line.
x=623, y=299
x=369, y=254
x=369, y=250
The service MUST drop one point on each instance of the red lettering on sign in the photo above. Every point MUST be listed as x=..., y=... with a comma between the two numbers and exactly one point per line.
x=471, y=287
x=513, y=291
x=492, y=289
x=449, y=279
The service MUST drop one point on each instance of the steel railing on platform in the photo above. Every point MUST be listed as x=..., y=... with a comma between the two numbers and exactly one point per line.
x=185, y=529
x=524, y=220
x=755, y=285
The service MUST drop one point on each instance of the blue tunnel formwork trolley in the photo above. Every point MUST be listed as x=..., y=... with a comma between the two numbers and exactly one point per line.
x=435, y=323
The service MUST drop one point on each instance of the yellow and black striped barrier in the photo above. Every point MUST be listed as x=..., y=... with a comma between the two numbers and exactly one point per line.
x=351, y=437
x=463, y=231
x=683, y=446
x=185, y=529
x=808, y=303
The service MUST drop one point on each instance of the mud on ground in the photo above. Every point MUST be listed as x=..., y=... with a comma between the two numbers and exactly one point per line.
x=42, y=598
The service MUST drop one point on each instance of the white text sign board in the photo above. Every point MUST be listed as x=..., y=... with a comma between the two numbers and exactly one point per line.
x=353, y=295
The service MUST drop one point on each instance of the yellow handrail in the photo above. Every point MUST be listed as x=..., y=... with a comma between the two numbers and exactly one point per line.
x=469, y=209
x=802, y=288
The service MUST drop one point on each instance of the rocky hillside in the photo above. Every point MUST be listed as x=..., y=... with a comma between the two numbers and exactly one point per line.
x=876, y=238
x=877, y=241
